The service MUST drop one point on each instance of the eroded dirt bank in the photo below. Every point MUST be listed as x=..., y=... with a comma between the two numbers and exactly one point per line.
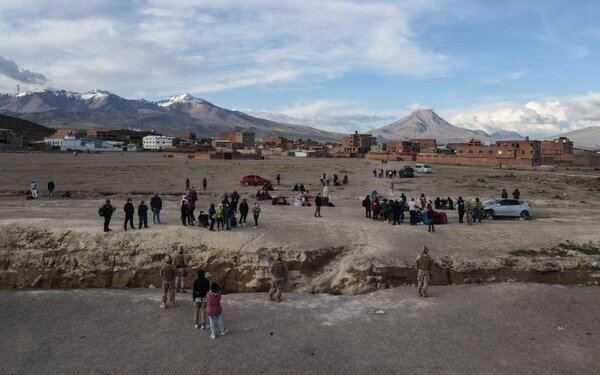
x=41, y=258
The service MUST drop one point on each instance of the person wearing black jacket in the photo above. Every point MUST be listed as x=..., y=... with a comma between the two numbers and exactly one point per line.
x=51, y=187
x=143, y=215
x=243, y=212
x=184, y=212
x=156, y=206
x=227, y=216
x=106, y=212
x=460, y=206
x=366, y=203
x=318, y=203
x=212, y=216
x=129, y=211
x=199, y=291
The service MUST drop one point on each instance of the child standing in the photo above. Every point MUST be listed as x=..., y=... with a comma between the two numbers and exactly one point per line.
x=214, y=310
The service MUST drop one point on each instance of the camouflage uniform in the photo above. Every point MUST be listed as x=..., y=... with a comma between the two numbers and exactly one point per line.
x=423, y=263
x=181, y=271
x=167, y=272
x=279, y=271
x=469, y=212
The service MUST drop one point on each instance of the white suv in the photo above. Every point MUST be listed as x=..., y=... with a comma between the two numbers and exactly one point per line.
x=422, y=168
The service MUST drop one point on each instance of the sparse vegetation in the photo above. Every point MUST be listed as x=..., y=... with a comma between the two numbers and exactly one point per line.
x=563, y=249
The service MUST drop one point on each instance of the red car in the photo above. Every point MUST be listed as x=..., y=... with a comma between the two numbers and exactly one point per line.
x=253, y=180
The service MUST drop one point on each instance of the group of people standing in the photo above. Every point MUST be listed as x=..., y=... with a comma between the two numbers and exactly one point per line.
x=206, y=295
x=107, y=210
x=33, y=188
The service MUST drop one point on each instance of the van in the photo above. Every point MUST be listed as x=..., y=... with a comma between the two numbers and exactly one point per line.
x=422, y=168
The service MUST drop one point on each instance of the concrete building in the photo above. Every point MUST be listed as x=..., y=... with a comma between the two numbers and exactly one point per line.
x=72, y=143
x=239, y=139
x=10, y=140
x=101, y=134
x=358, y=143
x=157, y=142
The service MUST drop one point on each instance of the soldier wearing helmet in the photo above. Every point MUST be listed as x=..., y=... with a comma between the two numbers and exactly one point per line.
x=423, y=263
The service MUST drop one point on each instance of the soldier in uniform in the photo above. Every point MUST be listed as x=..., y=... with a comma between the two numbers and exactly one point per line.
x=167, y=272
x=469, y=212
x=279, y=273
x=424, y=263
x=181, y=271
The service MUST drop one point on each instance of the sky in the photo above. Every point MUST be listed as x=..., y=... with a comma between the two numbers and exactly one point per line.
x=526, y=66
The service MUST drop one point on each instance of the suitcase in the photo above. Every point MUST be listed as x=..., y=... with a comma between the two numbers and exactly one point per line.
x=233, y=222
x=443, y=218
x=424, y=218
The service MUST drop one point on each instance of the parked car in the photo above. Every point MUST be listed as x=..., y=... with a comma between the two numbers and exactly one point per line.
x=253, y=180
x=422, y=168
x=407, y=171
x=498, y=207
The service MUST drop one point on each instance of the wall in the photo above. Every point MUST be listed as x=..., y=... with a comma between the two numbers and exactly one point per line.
x=451, y=159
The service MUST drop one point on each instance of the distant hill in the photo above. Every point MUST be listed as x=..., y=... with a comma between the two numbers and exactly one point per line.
x=424, y=123
x=586, y=138
x=29, y=130
x=182, y=113
x=506, y=135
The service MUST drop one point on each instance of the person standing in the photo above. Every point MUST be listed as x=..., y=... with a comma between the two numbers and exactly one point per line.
x=34, y=192
x=167, y=272
x=412, y=210
x=156, y=206
x=391, y=189
x=469, y=212
x=478, y=211
x=423, y=200
x=204, y=183
x=235, y=198
x=215, y=311
x=191, y=206
x=516, y=194
x=129, y=211
x=143, y=215
x=430, y=218
x=227, y=215
x=279, y=273
x=184, y=212
x=278, y=178
x=187, y=184
x=106, y=212
x=256, y=213
x=460, y=206
x=366, y=203
x=219, y=215
x=51, y=187
x=212, y=216
x=318, y=203
x=243, y=212
x=504, y=194
x=423, y=263
x=199, y=291
x=181, y=271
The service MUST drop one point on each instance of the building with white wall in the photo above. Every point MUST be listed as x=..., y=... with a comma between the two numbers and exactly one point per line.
x=157, y=142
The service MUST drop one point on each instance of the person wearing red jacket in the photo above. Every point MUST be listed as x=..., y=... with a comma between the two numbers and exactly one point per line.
x=430, y=218
x=215, y=311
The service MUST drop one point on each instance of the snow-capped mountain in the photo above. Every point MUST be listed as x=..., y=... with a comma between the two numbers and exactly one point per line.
x=176, y=114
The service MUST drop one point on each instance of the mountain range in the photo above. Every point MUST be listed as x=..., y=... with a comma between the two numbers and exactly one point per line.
x=186, y=113
x=174, y=115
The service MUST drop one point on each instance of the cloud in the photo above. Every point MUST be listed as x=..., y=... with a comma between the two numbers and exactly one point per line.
x=540, y=117
x=12, y=70
x=417, y=106
x=333, y=115
x=162, y=46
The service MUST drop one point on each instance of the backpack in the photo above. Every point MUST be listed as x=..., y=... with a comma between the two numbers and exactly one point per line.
x=278, y=270
x=424, y=262
x=101, y=212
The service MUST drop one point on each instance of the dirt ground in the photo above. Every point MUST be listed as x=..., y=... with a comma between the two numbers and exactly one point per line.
x=566, y=202
x=507, y=328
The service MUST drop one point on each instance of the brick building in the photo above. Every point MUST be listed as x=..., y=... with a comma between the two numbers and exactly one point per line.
x=239, y=139
x=101, y=134
x=358, y=143
x=428, y=145
x=188, y=136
